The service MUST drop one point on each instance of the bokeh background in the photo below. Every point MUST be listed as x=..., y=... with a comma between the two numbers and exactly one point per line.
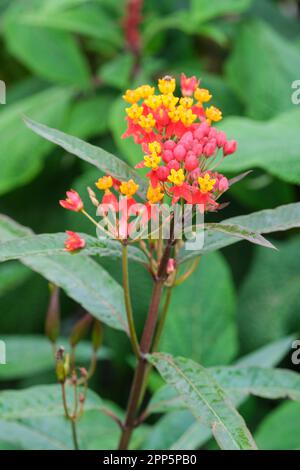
x=66, y=63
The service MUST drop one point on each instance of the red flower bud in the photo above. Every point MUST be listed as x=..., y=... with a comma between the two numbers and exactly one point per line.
x=191, y=162
x=72, y=202
x=74, y=242
x=179, y=152
x=230, y=147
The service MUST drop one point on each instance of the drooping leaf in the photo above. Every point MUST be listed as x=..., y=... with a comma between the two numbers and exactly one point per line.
x=276, y=64
x=239, y=232
x=206, y=400
x=53, y=244
x=267, y=221
x=195, y=320
x=261, y=145
x=83, y=279
x=96, y=156
x=22, y=152
x=269, y=298
x=37, y=355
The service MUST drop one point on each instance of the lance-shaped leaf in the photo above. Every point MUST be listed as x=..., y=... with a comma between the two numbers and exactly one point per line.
x=206, y=400
x=96, y=156
x=42, y=400
x=239, y=232
x=82, y=278
x=53, y=244
x=258, y=381
x=266, y=221
x=194, y=436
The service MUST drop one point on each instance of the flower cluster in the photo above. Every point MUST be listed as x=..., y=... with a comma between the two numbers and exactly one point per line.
x=181, y=147
x=181, y=153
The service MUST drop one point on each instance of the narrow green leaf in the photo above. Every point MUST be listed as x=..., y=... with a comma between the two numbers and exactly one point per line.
x=271, y=220
x=259, y=381
x=83, y=279
x=239, y=232
x=53, y=244
x=206, y=400
x=96, y=156
x=206, y=10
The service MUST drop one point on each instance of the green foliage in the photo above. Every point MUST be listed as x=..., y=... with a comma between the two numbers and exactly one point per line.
x=206, y=400
x=206, y=323
x=66, y=64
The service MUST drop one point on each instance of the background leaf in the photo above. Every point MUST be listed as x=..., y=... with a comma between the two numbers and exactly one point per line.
x=208, y=333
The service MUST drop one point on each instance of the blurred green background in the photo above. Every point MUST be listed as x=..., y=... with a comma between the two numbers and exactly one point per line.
x=66, y=63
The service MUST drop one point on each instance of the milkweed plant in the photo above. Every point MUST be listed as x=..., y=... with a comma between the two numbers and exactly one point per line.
x=158, y=214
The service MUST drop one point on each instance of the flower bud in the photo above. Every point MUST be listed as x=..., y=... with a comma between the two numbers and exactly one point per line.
x=221, y=139
x=174, y=165
x=97, y=335
x=191, y=162
x=210, y=149
x=52, y=326
x=171, y=266
x=80, y=329
x=167, y=156
x=223, y=184
x=169, y=145
x=163, y=173
x=179, y=152
x=230, y=147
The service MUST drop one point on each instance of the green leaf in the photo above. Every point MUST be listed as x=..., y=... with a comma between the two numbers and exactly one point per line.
x=83, y=279
x=280, y=429
x=117, y=72
x=239, y=232
x=207, y=323
x=90, y=20
x=96, y=156
x=259, y=381
x=194, y=436
x=42, y=400
x=206, y=400
x=53, y=244
x=11, y=276
x=54, y=55
x=21, y=436
x=276, y=62
x=206, y=10
x=267, y=221
x=37, y=355
x=261, y=145
x=269, y=299
x=84, y=116
x=26, y=152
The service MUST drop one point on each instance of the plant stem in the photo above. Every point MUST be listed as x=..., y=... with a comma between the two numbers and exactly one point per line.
x=130, y=319
x=162, y=319
x=146, y=341
x=74, y=434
